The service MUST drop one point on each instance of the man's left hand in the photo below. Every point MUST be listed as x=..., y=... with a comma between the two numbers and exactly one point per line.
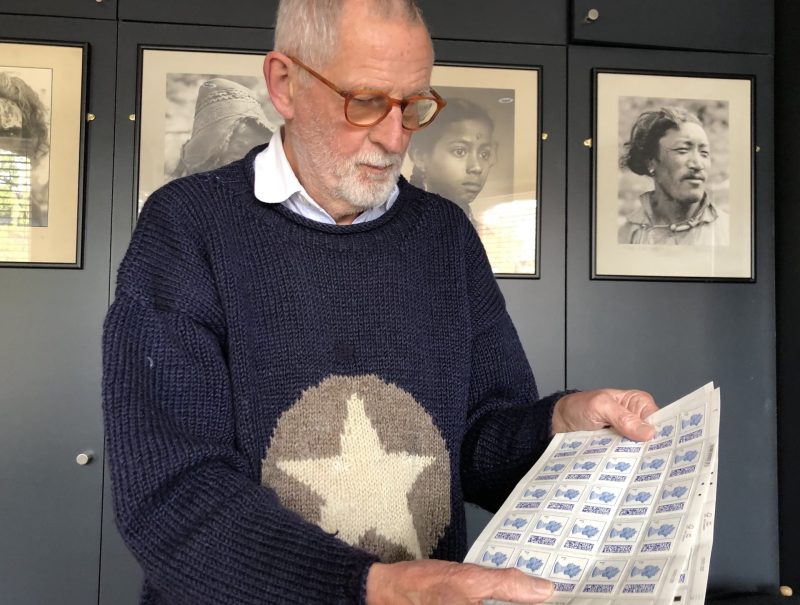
x=623, y=410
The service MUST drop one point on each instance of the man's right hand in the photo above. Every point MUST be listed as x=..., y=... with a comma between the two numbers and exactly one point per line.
x=431, y=582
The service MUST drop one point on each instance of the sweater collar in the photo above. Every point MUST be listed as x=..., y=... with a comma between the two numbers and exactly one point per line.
x=403, y=216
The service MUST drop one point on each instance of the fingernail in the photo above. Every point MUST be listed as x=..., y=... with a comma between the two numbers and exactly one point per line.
x=646, y=429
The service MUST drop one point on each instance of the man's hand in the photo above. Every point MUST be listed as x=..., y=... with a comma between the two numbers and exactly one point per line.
x=625, y=411
x=431, y=582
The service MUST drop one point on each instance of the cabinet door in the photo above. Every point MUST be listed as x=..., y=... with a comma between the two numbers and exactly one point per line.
x=670, y=337
x=240, y=13
x=523, y=21
x=87, y=9
x=121, y=576
x=50, y=508
x=732, y=25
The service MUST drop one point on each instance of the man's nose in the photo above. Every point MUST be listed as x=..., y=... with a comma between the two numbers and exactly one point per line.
x=389, y=132
x=695, y=160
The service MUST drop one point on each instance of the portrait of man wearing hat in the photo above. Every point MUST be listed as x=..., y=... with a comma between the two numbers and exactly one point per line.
x=228, y=121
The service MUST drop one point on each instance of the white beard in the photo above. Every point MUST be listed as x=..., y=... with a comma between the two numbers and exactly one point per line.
x=340, y=177
x=366, y=191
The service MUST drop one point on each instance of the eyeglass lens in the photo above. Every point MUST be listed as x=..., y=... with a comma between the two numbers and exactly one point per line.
x=366, y=110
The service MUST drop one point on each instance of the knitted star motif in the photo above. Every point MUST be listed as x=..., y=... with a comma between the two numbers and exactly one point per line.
x=360, y=457
x=353, y=484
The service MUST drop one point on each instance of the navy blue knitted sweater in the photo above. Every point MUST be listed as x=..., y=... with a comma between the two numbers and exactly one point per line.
x=287, y=402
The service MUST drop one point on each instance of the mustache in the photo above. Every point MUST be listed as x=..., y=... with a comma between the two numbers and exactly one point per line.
x=698, y=174
x=377, y=158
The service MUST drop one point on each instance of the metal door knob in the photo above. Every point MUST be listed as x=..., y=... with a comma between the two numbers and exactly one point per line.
x=84, y=458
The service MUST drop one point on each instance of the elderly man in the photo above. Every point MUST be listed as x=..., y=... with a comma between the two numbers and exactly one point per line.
x=309, y=366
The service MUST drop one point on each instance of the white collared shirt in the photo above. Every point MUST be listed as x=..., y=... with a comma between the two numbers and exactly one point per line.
x=276, y=183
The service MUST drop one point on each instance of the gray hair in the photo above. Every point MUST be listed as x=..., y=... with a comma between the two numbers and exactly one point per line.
x=308, y=29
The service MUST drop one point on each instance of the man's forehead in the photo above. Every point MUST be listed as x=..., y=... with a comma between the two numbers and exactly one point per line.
x=688, y=131
x=379, y=50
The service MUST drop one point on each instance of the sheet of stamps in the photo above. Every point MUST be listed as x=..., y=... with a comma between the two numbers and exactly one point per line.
x=608, y=520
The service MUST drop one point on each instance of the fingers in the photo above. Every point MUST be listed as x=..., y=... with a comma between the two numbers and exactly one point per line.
x=629, y=417
x=639, y=402
x=633, y=427
x=431, y=582
x=513, y=586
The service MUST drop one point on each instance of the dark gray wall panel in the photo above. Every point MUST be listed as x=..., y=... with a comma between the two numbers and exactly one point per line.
x=91, y=9
x=539, y=22
x=242, y=13
x=732, y=25
x=121, y=576
x=672, y=337
x=49, y=402
x=132, y=38
x=535, y=305
x=787, y=218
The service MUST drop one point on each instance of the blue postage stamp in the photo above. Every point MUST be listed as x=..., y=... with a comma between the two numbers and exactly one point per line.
x=566, y=572
x=547, y=530
x=622, y=537
x=674, y=496
x=643, y=576
x=604, y=577
x=496, y=556
x=533, y=562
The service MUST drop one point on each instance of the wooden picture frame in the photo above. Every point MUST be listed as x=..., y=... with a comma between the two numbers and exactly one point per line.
x=673, y=177
x=198, y=111
x=42, y=128
x=482, y=152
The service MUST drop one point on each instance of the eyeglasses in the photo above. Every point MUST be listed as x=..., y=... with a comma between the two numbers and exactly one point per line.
x=366, y=108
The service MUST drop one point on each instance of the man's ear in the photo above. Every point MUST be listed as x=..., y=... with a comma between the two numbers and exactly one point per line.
x=280, y=83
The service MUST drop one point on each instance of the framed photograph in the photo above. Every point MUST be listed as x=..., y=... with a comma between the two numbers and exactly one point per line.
x=42, y=119
x=673, y=177
x=199, y=110
x=482, y=152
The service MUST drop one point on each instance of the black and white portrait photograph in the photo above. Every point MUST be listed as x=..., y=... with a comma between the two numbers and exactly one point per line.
x=41, y=120
x=481, y=153
x=677, y=151
x=673, y=187
x=196, y=119
x=25, y=102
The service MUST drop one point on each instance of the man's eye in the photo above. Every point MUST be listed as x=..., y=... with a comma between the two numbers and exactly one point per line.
x=363, y=101
x=486, y=154
x=459, y=152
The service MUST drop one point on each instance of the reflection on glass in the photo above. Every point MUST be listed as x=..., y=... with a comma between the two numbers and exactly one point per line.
x=24, y=150
x=15, y=193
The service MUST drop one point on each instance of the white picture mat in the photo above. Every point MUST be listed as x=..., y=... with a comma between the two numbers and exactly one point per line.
x=57, y=243
x=612, y=258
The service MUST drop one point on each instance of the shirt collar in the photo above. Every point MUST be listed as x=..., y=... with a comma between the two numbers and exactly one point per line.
x=276, y=183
